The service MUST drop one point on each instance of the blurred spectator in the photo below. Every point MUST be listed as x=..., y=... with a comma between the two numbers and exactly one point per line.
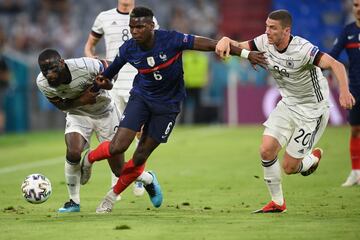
x=4, y=84
x=179, y=20
x=196, y=67
x=59, y=7
x=69, y=38
x=204, y=18
x=11, y=6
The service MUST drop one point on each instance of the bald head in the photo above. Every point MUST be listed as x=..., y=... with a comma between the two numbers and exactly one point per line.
x=48, y=54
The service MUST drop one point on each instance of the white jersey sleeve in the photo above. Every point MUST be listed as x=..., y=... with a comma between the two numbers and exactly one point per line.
x=114, y=26
x=83, y=72
x=98, y=25
x=302, y=86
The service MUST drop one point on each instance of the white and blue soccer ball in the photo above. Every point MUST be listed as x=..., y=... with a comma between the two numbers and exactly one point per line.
x=36, y=188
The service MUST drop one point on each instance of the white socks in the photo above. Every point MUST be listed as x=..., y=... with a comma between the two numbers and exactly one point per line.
x=72, y=179
x=114, y=179
x=307, y=162
x=272, y=177
x=146, y=178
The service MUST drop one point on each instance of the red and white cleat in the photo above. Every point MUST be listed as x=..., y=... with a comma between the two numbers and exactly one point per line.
x=317, y=152
x=272, y=207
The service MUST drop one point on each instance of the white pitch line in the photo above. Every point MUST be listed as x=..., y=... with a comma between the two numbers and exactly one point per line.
x=47, y=162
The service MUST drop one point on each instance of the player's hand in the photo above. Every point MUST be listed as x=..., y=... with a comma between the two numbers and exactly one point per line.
x=257, y=58
x=89, y=96
x=346, y=100
x=223, y=47
x=103, y=82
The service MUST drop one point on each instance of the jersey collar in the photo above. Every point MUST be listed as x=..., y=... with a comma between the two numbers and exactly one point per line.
x=123, y=13
x=284, y=50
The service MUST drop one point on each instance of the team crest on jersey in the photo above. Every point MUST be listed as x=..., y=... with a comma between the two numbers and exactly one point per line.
x=163, y=56
x=151, y=61
x=314, y=51
x=289, y=63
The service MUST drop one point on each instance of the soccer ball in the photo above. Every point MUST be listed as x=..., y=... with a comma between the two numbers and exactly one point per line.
x=36, y=188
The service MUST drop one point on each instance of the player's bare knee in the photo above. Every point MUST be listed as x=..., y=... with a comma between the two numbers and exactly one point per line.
x=266, y=153
x=73, y=156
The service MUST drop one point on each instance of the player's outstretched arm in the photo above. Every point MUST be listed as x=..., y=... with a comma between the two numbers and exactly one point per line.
x=89, y=49
x=88, y=97
x=224, y=45
x=346, y=99
x=207, y=44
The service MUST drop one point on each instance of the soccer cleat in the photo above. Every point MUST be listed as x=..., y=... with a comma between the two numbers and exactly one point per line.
x=353, y=179
x=154, y=191
x=70, y=206
x=86, y=167
x=317, y=152
x=138, y=189
x=272, y=207
x=107, y=204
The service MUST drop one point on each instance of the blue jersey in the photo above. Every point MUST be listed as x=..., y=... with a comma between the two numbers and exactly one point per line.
x=160, y=69
x=349, y=40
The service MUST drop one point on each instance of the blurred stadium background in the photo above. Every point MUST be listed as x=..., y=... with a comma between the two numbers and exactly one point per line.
x=219, y=92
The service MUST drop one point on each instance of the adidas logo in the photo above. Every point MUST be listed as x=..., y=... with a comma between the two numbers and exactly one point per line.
x=301, y=151
x=114, y=23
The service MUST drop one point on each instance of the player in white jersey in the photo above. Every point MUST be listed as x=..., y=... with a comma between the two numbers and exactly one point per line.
x=69, y=85
x=300, y=118
x=114, y=26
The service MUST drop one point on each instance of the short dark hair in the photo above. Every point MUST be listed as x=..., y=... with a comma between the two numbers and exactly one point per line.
x=141, y=12
x=283, y=16
x=47, y=54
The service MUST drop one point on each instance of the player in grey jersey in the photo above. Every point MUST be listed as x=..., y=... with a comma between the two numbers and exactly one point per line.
x=300, y=118
x=69, y=85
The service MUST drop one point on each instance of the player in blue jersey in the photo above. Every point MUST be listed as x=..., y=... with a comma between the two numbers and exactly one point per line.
x=349, y=40
x=155, y=98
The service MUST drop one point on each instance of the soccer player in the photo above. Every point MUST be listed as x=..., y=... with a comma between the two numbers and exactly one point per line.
x=69, y=85
x=114, y=26
x=154, y=101
x=300, y=118
x=349, y=40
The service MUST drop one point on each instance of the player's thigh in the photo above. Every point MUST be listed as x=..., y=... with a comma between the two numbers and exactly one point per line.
x=279, y=126
x=136, y=114
x=307, y=134
x=82, y=125
x=162, y=121
x=106, y=126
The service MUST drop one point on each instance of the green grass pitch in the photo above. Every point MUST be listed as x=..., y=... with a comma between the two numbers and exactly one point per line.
x=211, y=178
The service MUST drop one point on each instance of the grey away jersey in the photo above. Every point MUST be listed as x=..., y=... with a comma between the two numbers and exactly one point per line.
x=115, y=28
x=302, y=86
x=83, y=72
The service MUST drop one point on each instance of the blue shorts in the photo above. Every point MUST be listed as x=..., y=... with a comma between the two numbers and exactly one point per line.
x=354, y=114
x=158, y=119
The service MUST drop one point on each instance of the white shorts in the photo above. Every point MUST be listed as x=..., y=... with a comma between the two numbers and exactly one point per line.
x=299, y=134
x=120, y=97
x=104, y=127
